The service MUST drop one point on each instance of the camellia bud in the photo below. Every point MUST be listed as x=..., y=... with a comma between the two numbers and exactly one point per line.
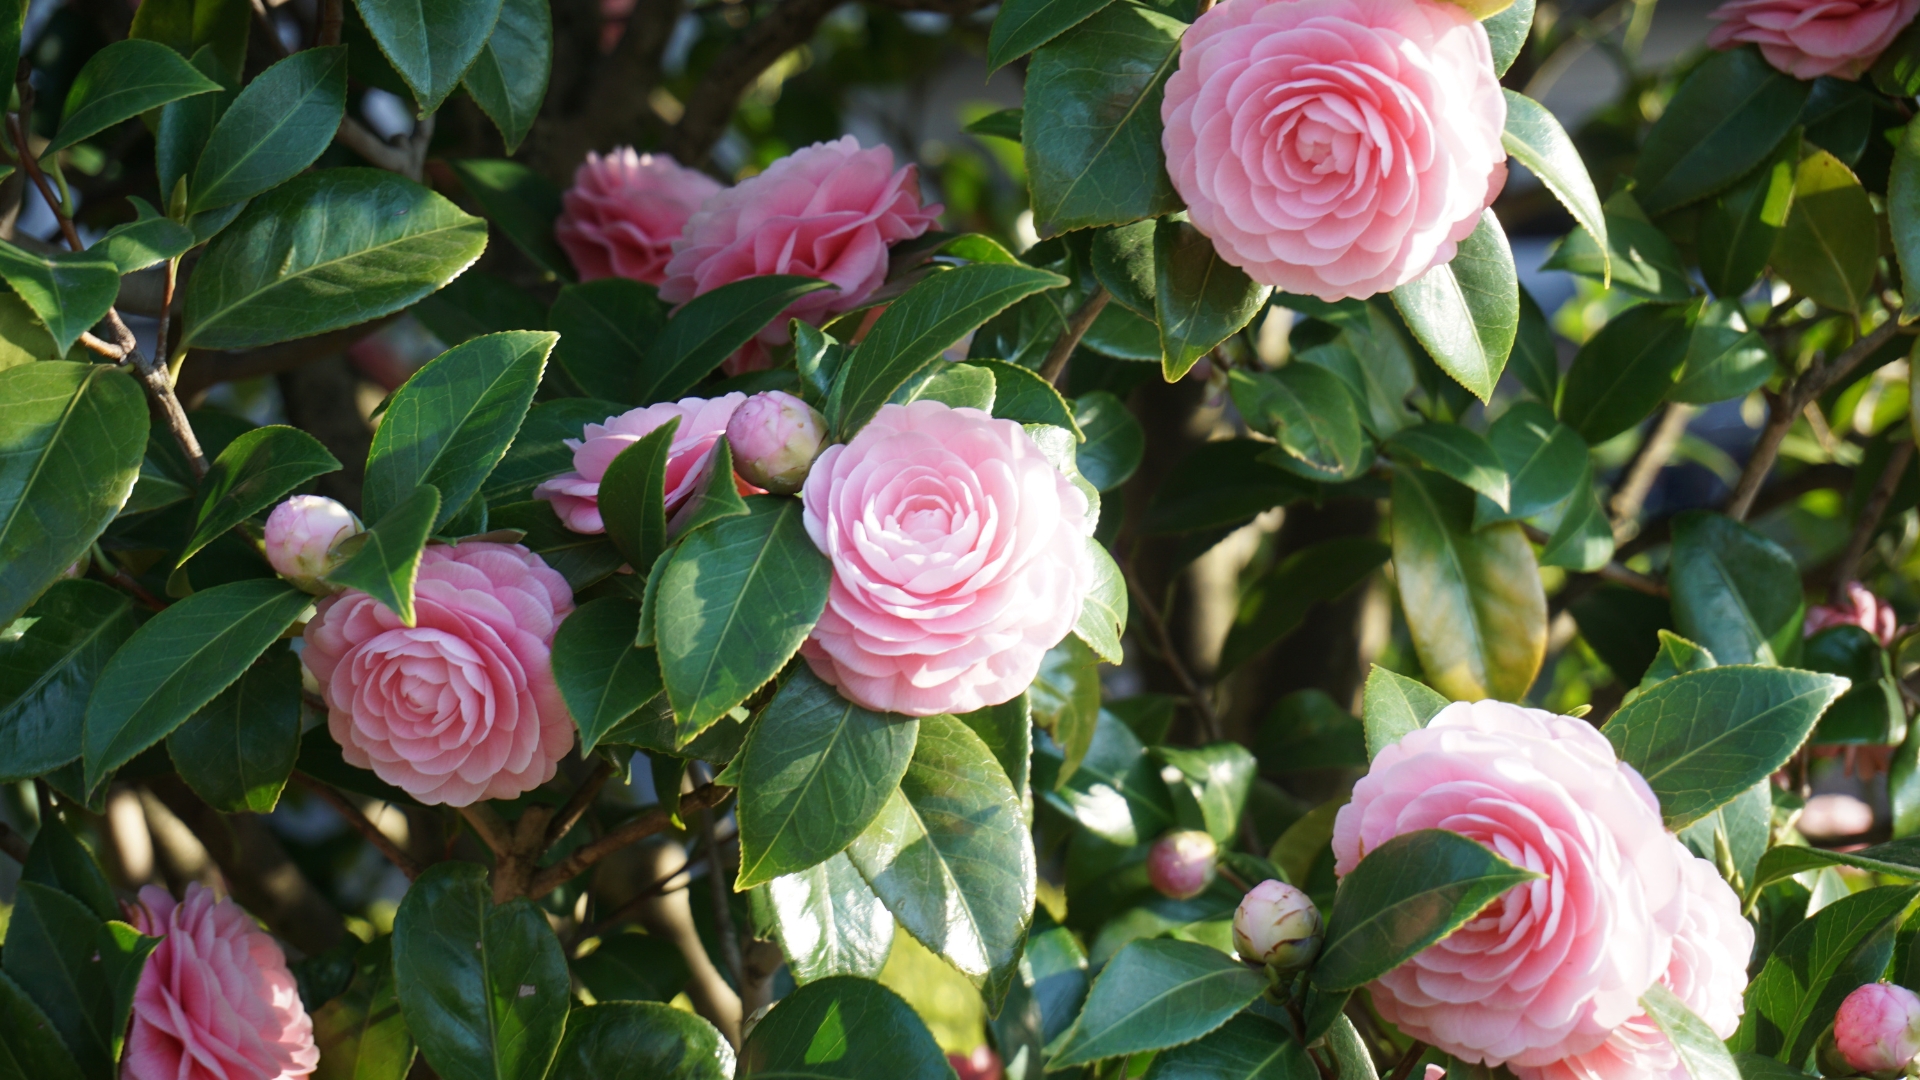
x=1278, y=926
x=301, y=534
x=1877, y=1030
x=1180, y=863
x=775, y=437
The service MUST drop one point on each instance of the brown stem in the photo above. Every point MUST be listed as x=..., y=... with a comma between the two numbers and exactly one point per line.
x=162, y=347
x=637, y=828
x=13, y=844
x=1196, y=695
x=1848, y=567
x=1408, y=1061
x=331, y=16
x=659, y=886
x=487, y=824
x=1077, y=326
x=1612, y=572
x=362, y=824
x=1654, y=454
x=120, y=577
x=583, y=796
x=720, y=890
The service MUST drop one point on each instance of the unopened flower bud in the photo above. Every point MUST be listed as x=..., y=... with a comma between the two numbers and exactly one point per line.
x=301, y=534
x=1877, y=1030
x=1180, y=864
x=1278, y=926
x=775, y=437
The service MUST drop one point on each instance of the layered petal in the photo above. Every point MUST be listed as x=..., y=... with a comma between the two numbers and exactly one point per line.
x=625, y=210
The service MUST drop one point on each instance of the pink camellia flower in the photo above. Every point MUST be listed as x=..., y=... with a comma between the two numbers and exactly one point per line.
x=1337, y=148
x=1554, y=965
x=215, y=1000
x=1810, y=38
x=827, y=211
x=300, y=536
x=1860, y=608
x=775, y=437
x=1278, y=926
x=1180, y=864
x=1708, y=973
x=576, y=495
x=461, y=706
x=959, y=558
x=624, y=211
x=1877, y=1029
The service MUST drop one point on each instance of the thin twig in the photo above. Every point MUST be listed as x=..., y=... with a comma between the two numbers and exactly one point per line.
x=638, y=828
x=161, y=346
x=486, y=823
x=1077, y=326
x=721, y=891
x=657, y=887
x=1196, y=695
x=327, y=32
x=362, y=824
x=117, y=576
x=1864, y=526
x=13, y=843
x=1654, y=454
x=1408, y=1061
x=582, y=799
x=1612, y=572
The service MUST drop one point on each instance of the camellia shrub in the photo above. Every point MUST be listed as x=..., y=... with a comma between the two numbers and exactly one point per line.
x=1235, y=632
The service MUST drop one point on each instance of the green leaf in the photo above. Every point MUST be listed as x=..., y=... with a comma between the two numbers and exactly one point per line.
x=13, y=18
x=1024, y=25
x=177, y=663
x=602, y=676
x=1701, y=1052
x=1702, y=738
x=1020, y=394
x=184, y=125
x=1896, y=858
x=237, y=751
x=1737, y=229
x=540, y=451
x=1212, y=781
x=1274, y=606
x=633, y=967
x=48, y=670
x=1200, y=299
x=1004, y=124
x=1507, y=33
x=508, y=80
x=921, y=325
x=478, y=303
x=119, y=83
x=709, y=328
x=250, y=475
x=1103, y=615
x=430, y=43
x=1735, y=592
x=1734, y=836
x=1724, y=119
x=280, y=124
x=1393, y=705
x=1677, y=656
x=136, y=245
x=1466, y=312
x=1122, y=261
x=387, y=558
x=1221, y=483
x=1091, y=133
x=633, y=497
x=1456, y=452
x=1623, y=372
x=1818, y=250
x=523, y=204
x=1155, y=994
x=720, y=499
x=1535, y=360
x=962, y=386
x=451, y=423
x=828, y=922
x=641, y=1038
x=58, y=860
x=1115, y=442
x=1536, y=140
x=736, y=600
x=1405, y=895
x=55, y=952
x=607, y=328
x=1872, y=712
x=1247, y=1047
x=361, y=1033
x=1724, y=360
x=1309, y=412
x=1473, y=600
x=190, y=27
x=1007, y=729
x=69, y=291
x=29, y=1047
x=1814, y=967
x=483, y=987
x=1639, y=256
x=842, y=1028
x=1583, y=541
x=325, y=250
x=1903, y=214
x=816, y=770
x=1065, y=697
x=950, y=855
x=1544, y=458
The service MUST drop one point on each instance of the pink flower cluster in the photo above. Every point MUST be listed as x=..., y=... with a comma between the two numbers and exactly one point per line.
x=1810, y=38
x=1859, y=608
x=828, y=211
x=1547, y=980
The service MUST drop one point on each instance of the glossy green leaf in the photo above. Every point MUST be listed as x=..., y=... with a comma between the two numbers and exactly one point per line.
x=1727, y=117
x=709, y=328
x=1701, y=1053
x=1092, y=133
x=1024, y=25
x=1065, y=697
x=951, y=857
x=607, y=327
x=962, y=386
x=69, y=291
x=539, y=452
x=453, y=420
x=1735, y=836
x=1007, y=729
x=1507, y=33
x=1393, y=705
x=177, y=663
x=1725, y=359
x=1213, y=781
x=1536, y=140
x=60, y=861
x=1735, y=592
x=430, y=43
x=29, y=1047
x=237, y=750
x=1583, y=540
x=478, y=303
x=1623, y=372
x=842, y=1028
x=1535, y=361
x=1115, y=442
x=523, y=204
x=633, y=497
x=278, y=125
x=1275, y=605
x=119, y=83
x=719, y=499
x=1155, y=994
x=1818, y=250
x=361, y=1033
x=483, y=987
x=184, y=125
x=641, y=1038
x=255, y=471
x=13, y=18
x=190, y=27
x=1374, y=359
x=1309, y=412
x=325, y=250
x=1473, y=600
x=1544, y=459
x=56, y=950
x=1103, y=614
x=1702, y=738
x=385, y=563
x=1903, y=215
x=136, y=245
x=1113, y=763
x=49, y=669
x=1405, y=895
x=816, y=770
x=1640, y=258
x=1020, y=394
x=1247, y=1047
x=1003, y=124
x=921, y=325
x=1737, y=228
x=1872, y=712
x=1122, y=260
x=632, y=966
x=1221, y=483
x=735, y=602
x=1814, y=967
x=1677, y=656
x=602, y=676
x=828, y=922
x=1895, y=858
x=1200, y=299
x=1459, y=453
x=508, y=80
x=1466, y=312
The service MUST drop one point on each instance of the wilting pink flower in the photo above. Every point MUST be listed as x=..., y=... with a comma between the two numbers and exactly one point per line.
x=576, y=495
x=775, y=437
x=1810, y=38
x=1553, y=966
x=1180, y=864
x=462, y=706
x=1859, y=608
x=959, y=558
x=827, y=211
x=1277, y=925
x=1336, y=148
x=624, y=211
x=300, y=535
x=1708, y=973
x=215, y=1000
